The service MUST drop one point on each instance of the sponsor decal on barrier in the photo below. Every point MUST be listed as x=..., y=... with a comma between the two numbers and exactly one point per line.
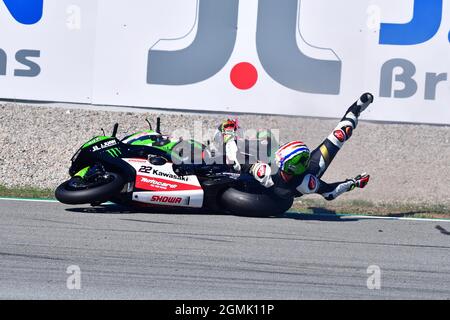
x=31, y=69
x=424, y=26
x=25, y=11
x=290, y=57
x=280, y=56
x=203, y=59
x=425, y=23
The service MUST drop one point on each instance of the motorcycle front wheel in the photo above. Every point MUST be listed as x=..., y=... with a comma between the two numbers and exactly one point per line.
x=75, y=191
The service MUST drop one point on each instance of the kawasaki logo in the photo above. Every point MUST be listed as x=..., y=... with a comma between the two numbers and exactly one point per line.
x=168, y=175
x=25, y=11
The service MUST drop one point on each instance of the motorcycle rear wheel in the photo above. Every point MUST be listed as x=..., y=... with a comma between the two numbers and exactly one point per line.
x=262, y=204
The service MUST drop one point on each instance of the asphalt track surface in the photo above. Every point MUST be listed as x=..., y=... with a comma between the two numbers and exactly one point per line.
x=132, y=255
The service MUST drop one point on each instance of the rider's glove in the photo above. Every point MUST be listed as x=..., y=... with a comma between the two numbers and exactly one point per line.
x=261, y=172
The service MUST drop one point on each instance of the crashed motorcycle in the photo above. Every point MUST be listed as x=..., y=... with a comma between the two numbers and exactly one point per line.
x=149, y=169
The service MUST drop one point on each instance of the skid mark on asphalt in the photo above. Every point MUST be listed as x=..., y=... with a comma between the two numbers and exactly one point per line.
x=29, y=256
x=149, y=221
x=442, y=230
x=55, y=221
x=204, y=239
x=359, y=243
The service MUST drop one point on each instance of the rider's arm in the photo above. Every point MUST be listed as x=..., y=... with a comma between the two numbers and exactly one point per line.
x=217, y=142
x=331, y=191
x=262, y=173
x=309, y=184
x=231, y=151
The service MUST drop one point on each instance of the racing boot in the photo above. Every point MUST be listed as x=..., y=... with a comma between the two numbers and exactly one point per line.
x=359, y=106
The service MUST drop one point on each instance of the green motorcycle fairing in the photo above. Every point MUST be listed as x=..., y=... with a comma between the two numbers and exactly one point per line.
x=94, y=141
x=152, y=139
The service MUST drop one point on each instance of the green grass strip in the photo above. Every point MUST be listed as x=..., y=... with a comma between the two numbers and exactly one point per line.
x=27, y=193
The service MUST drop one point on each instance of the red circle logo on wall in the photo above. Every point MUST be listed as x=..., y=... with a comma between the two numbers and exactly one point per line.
x=243, y=75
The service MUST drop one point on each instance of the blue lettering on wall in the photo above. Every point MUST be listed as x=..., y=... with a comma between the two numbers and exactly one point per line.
x=422, y=27
x=25, y=11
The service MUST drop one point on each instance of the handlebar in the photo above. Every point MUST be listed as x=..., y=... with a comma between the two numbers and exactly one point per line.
x=116, y=126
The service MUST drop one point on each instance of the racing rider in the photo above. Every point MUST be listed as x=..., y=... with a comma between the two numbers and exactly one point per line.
x=225, y=140
x=300, y=170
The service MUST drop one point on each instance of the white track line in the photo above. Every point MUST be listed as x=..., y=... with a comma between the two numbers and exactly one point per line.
x=311, y=214
x=29, y=200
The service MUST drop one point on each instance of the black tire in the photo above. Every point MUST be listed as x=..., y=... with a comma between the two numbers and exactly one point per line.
x=98, y=194
x=256, y=205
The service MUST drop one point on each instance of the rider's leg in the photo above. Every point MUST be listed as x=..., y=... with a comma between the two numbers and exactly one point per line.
x=322, y=156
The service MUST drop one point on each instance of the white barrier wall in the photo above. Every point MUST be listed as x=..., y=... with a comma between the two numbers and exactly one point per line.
x=58, y=60
x=301, y=57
